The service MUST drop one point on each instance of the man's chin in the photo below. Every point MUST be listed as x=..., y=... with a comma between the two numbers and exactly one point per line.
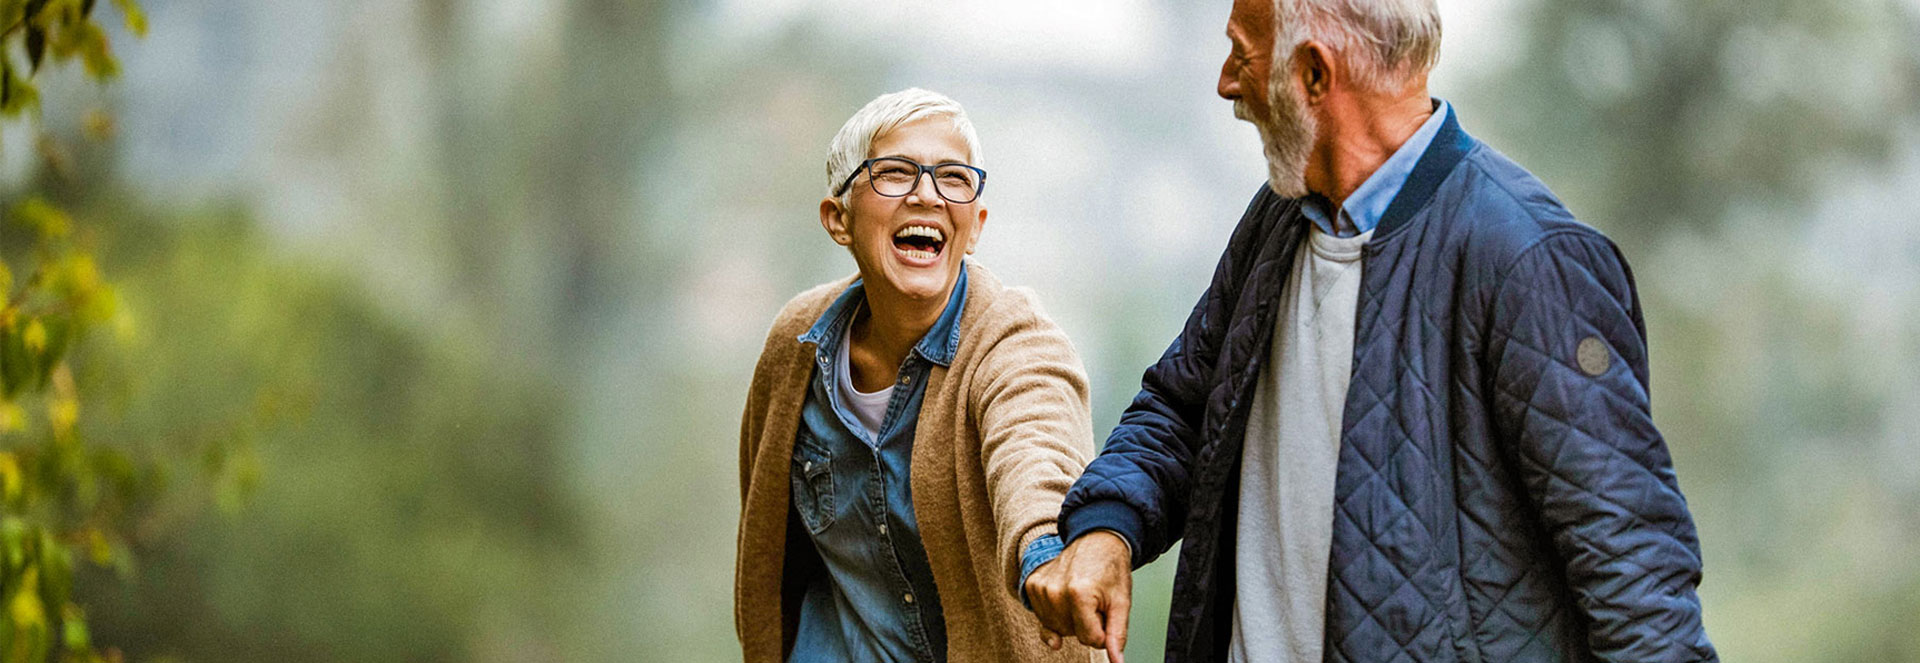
x=1287, y=185
x=1286, y=180
x=1286, y=172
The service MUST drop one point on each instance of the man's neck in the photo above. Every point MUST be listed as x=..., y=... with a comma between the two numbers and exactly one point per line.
x=1360, y=132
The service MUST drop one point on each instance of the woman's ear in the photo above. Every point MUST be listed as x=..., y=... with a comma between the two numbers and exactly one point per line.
x=979, y=226
x=834, y=219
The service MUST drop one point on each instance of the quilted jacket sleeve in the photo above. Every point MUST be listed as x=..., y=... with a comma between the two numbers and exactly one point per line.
x=1567, y=356
x=1138, y=486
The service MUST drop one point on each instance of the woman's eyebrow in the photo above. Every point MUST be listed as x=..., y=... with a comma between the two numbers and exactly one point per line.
x=948, y=159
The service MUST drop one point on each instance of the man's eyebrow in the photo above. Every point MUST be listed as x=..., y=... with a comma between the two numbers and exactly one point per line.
x=1234, y=39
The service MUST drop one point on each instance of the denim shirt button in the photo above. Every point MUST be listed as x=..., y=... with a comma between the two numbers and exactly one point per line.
x=906, y=379
x=909, y=598
x=883, y=529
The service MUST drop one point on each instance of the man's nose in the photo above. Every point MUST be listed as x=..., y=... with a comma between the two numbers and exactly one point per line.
x=1229, y=87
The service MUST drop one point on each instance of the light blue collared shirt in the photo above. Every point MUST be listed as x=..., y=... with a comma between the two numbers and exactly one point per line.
x=1364, y=207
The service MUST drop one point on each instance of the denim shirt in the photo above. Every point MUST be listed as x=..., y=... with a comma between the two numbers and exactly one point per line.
x=877, y=600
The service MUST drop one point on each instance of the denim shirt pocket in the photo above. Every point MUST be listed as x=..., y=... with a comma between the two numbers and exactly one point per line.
x=812, y=476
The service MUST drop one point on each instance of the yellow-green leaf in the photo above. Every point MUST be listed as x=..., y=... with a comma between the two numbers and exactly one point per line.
x=136, y=19
x=10, y=479
x=43, y=217
x=35, y=336
x=13, y=418
x=25, y=609
x=73, y=626
x=62, y=413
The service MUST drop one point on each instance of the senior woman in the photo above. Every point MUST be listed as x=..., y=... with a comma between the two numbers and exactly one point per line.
x=911, y=430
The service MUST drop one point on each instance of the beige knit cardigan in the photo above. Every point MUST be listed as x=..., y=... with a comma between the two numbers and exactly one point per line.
x=1003, y=432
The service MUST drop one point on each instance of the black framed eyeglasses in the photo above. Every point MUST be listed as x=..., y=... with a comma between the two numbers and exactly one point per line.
x=894, y=177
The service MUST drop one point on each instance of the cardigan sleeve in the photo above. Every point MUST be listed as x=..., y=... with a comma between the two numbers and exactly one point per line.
x=1032, y=405
x=759, y=393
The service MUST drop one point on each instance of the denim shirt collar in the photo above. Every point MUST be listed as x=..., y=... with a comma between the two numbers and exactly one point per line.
x=938, y=346
x=1367, y=204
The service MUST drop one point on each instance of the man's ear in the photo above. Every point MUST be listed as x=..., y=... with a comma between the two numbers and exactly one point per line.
x=979, y=226
x=1316, y=67
x=834, y=219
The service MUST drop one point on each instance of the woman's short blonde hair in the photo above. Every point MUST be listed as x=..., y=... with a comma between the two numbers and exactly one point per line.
x=855, y=139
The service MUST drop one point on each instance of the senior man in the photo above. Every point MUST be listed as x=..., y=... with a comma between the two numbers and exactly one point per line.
x=1408, y=420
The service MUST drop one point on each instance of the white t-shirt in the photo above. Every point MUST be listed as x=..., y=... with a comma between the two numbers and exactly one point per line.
x=870, y=409
x=1291, y=456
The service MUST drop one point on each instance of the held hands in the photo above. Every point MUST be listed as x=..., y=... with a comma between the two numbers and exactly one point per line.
x=1086, y=593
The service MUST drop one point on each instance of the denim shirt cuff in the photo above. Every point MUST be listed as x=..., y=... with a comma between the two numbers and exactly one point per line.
x=1041, y=551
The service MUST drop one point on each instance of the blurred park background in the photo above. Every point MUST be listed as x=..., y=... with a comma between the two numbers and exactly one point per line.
x=454, y=302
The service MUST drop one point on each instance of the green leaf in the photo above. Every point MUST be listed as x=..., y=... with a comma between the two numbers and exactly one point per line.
x=26, y=610
x=96, y=53
x=35, y=335
x=73, y=628
x=15, y=364
x=16, y=93
x=136, y=19
x=13, y=541
x=49, y=221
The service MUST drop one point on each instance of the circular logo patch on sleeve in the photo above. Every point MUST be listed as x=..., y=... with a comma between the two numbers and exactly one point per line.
x=1593, y=356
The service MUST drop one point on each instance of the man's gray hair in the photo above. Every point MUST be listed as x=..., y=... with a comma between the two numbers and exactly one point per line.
x=1382, y=43
x=885, y=113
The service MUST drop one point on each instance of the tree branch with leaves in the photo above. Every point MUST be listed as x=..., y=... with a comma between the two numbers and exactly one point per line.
x=63, y=501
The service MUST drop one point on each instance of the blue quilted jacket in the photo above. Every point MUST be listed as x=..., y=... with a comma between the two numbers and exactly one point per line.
x=1502, y=493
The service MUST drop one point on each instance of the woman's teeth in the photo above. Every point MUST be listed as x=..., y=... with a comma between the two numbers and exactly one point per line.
x=919, y=242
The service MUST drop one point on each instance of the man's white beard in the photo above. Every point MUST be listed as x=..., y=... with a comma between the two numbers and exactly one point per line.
x=1287, y=135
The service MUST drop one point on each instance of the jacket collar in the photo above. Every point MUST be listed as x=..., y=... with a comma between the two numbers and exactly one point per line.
x=1448, y=148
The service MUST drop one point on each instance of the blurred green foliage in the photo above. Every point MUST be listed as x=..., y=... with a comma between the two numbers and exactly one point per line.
x=386, y=491
x=408, y=505
x=65, y=498
x=484, y=412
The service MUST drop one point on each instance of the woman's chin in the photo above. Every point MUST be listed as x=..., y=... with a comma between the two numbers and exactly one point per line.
x=919, y=284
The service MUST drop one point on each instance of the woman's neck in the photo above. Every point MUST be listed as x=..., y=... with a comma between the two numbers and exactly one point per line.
x=884, y=331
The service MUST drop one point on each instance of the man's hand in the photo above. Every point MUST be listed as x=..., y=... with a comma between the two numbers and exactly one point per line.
x=1086, y=592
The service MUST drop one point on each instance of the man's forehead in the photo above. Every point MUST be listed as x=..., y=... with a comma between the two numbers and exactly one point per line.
x=1251, y=18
